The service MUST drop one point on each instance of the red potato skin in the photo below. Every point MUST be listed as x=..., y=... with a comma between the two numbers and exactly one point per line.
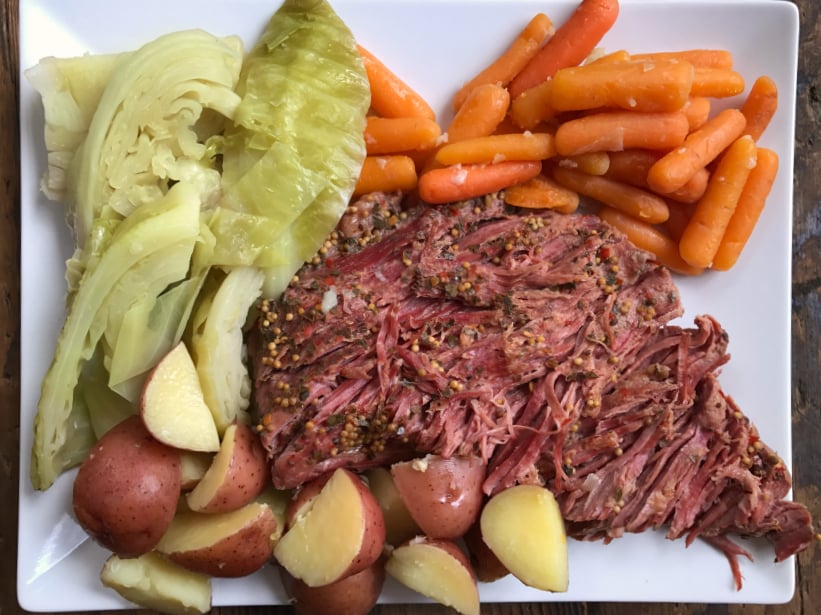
x=484, y=562
x=248, y=474
x=355, y=594
x=126, y=491
x=237, y=555
x=374, y=539
x=304, y=496
x=446, y=498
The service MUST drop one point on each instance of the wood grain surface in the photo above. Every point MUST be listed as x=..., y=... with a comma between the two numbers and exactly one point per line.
x=806, y=346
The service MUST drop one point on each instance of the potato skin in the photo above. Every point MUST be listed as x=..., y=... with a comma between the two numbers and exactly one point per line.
x=125, y=493
x=444, y=496
x=355, y=594
x=484, y=562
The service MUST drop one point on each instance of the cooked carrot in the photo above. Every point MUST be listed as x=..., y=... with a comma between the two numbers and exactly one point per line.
x=663, y=85
x=629, y=199
x=533, y=106
x=592, y=163
x=760, y=106
x=706, y=58
x=458, y=182
x=697, y=111
x=542, y=192
x=614, y=131
x=647, y=237
x=385, y=135
x=480, y=114
x=632, y=166
x=571, y=43
x=750, y=205
x=680, y=214
x=386, y=174
x=621, y=55
x=390, y=95
x=702, y=237
x=700, y=148
x=717, y=82
x=507, y=126
x=513, y=60
x=496, y=148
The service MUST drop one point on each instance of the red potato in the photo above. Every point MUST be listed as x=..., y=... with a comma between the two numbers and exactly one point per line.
x=173, y=407
x=126, y=491
x=340, y=532
x=399, y=525
x=237, y=475
x=303, y=497
x=443, y=496
x=356, y=594
x=153, y=582
x=437, y=569
x=230, y=544
x=523, y=526
x=193, y=466
x=486, y=565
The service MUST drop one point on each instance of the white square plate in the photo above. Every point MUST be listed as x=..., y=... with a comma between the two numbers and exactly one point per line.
x=436, y=46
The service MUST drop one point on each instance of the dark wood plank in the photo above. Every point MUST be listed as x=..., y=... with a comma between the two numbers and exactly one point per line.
x=806, y=347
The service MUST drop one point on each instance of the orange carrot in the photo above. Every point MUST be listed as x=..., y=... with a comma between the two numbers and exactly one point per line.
x=571, y=43
x=760, y=106
x=390, y=96
x=592, y=163
x=533, y=106
x=386, y=174
x=621, y=55
x=701, y=147
x=717, y=82
x=680, y=214
x=663, y=85
x=512, y=61
x=480, y=114
x=750, y=205
x=496, y=148
x=457, y=183
x=631, y=200
x=647, y=237
x=631, y=166
x=702, y=237
x=706, y=58
x=542, y=192
x=697, y=111
x=391, y=135
x=617, y=130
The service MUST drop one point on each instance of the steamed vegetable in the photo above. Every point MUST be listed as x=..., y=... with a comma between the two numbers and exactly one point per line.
x=294, y=151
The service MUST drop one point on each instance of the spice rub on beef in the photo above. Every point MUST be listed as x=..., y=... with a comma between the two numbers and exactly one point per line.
x=539, y=342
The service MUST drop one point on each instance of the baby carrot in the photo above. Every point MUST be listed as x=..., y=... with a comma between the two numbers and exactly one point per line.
x=700, y=148
x=706, y=58
x=697, y=111
x=680, y=214
x=458, y=182
x=496, y=148
x=631, y=200
x=385, y=135
x=480, y=114
x=631, y=166
x=620, y=55
x=663, y=85
x=592, y=163
x=649, y=238
x=386, y=174
x=542, y=192
x=717, y=82
x=750, y=205
x=702, y=237
x=617, y=130
x=571, y=43
x=760, y=106
x=390, y=96
x=513, y=60
x=533, y=106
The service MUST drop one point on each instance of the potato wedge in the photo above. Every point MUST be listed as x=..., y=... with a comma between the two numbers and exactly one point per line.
x=523, y=526
x=437, y=569
x=399, y=525
x=153, y=582
x=355, y=594
x=484, y=562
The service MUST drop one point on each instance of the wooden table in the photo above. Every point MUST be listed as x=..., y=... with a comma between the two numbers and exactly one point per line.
x=806, y=344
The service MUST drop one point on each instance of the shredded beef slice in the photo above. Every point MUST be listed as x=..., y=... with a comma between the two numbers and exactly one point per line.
x=537, y=342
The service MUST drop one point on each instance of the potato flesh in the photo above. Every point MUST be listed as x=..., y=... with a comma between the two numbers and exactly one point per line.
x=153, y=582
x=327, y=534
x=191, y=531
x=523, y=526
x=399, y=525
x=435, y=573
